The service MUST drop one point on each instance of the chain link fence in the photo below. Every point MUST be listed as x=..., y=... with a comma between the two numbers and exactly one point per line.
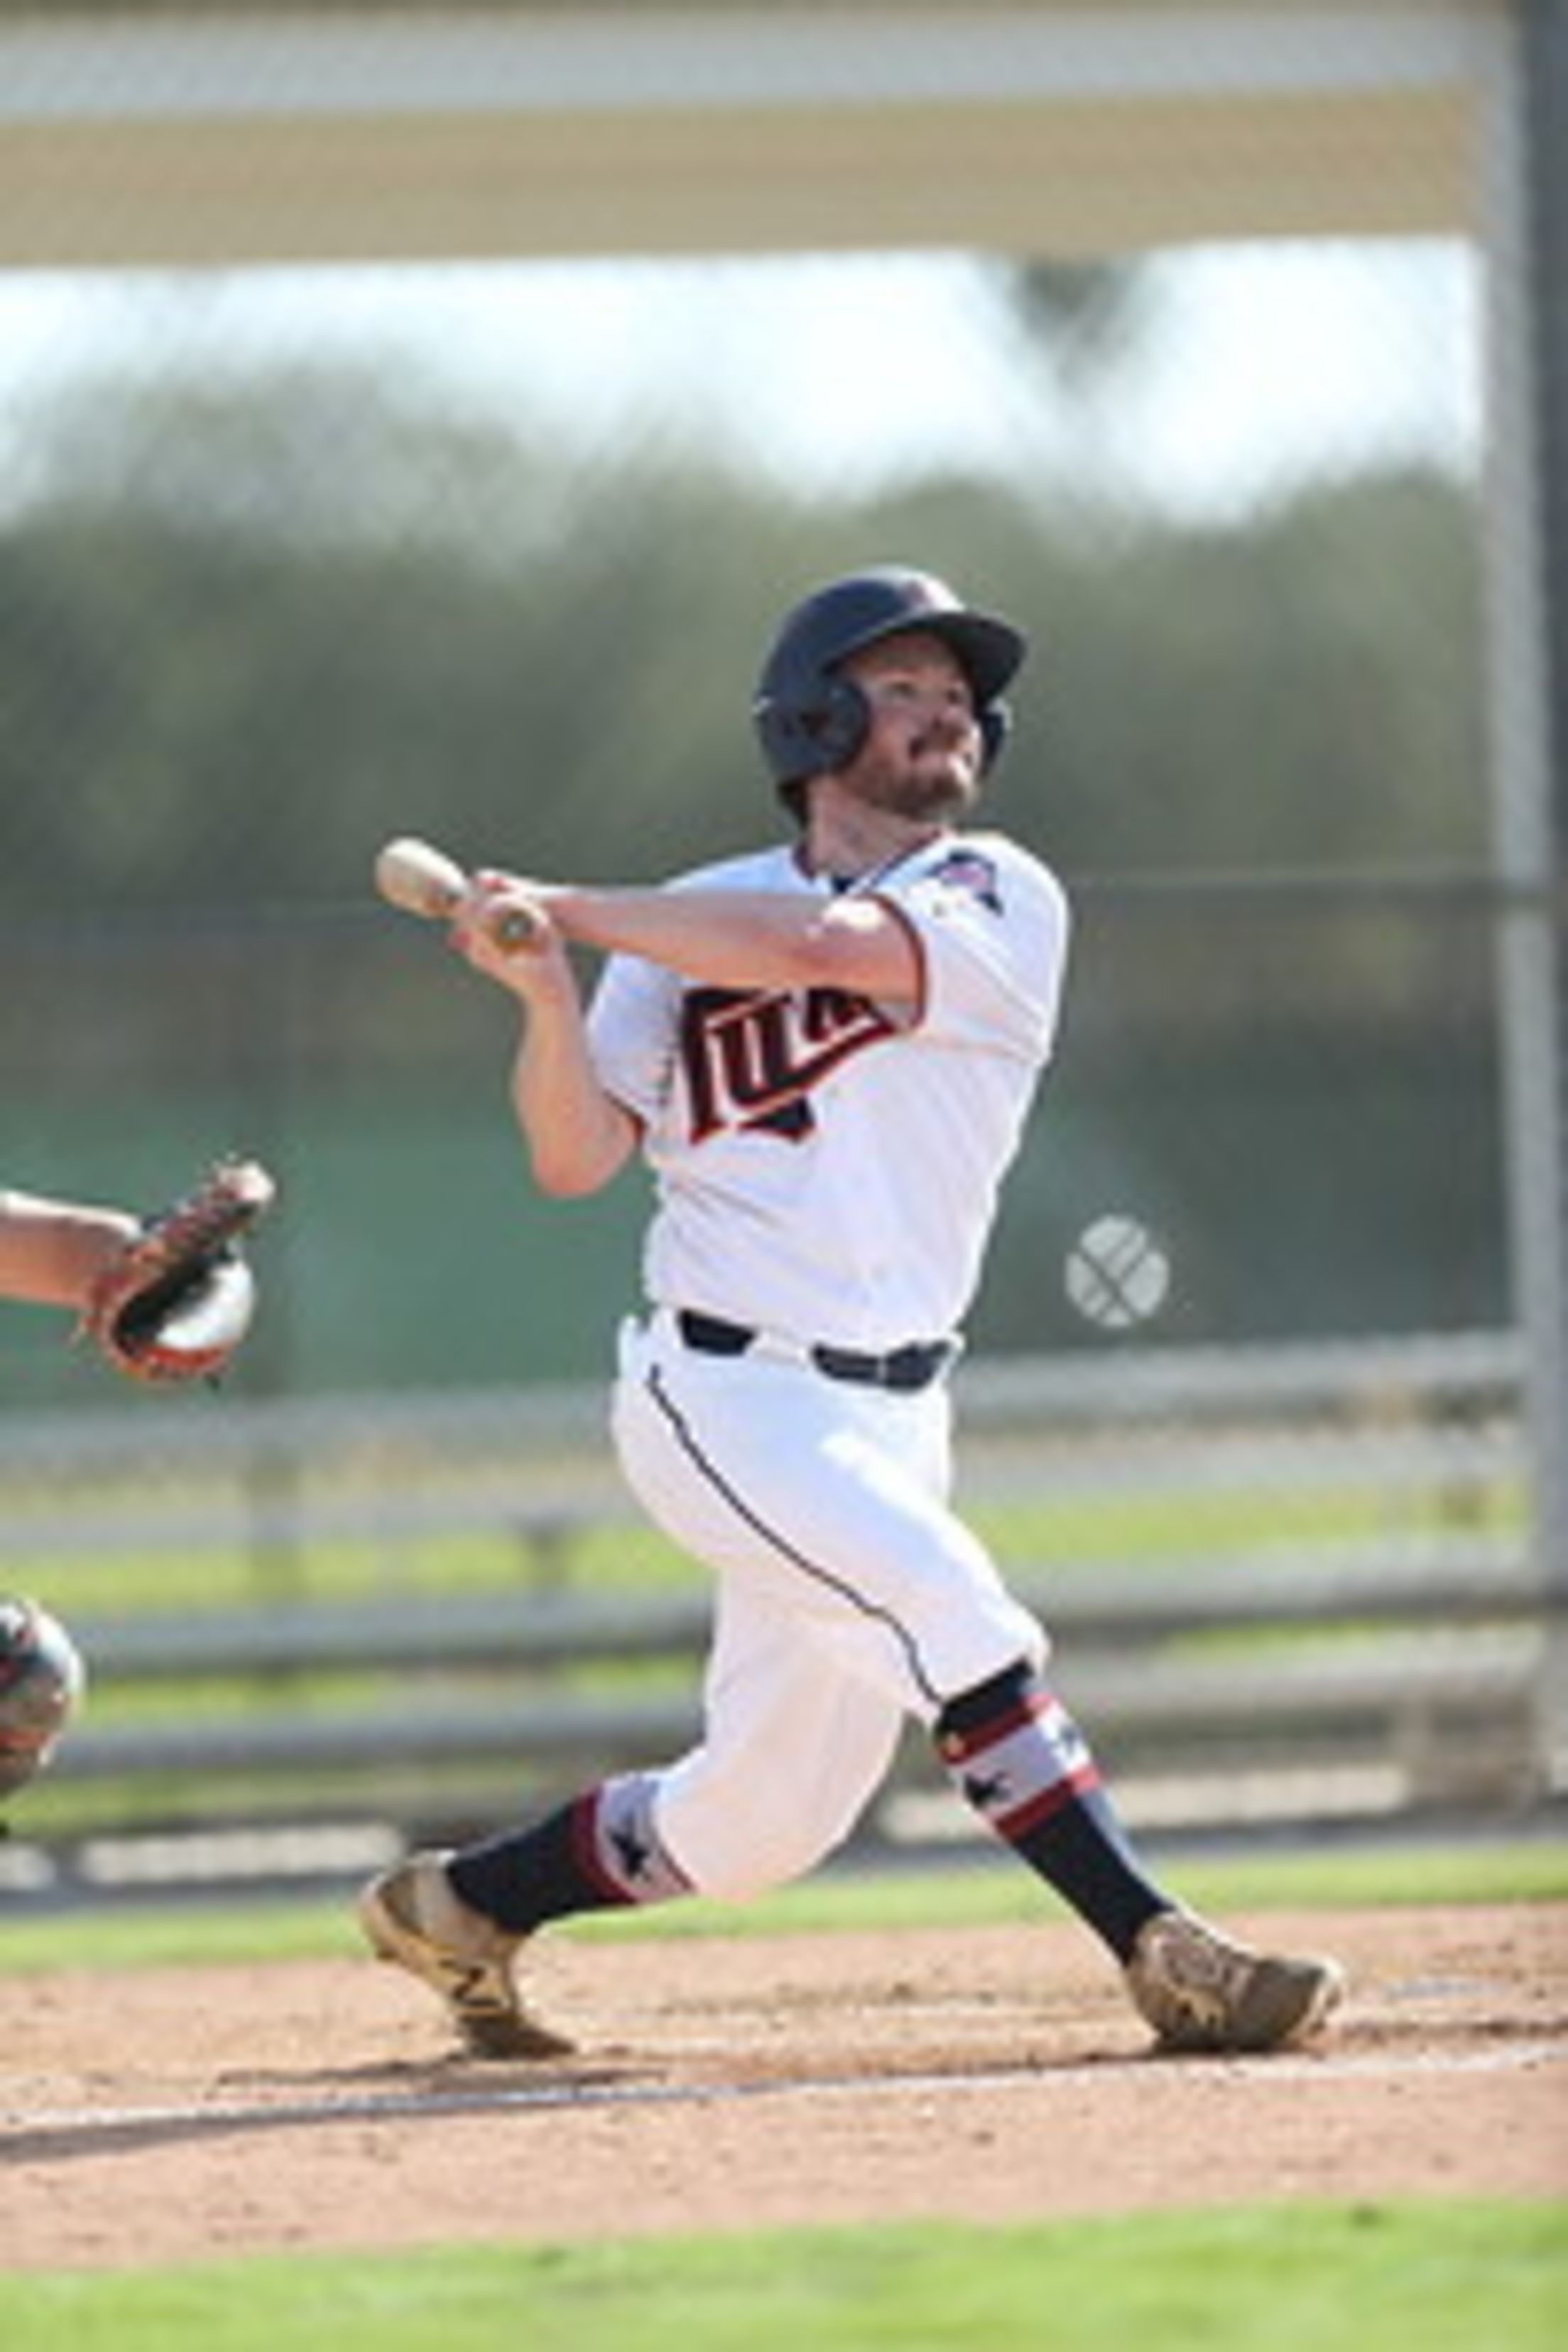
x=282, y=576
x=294, y=559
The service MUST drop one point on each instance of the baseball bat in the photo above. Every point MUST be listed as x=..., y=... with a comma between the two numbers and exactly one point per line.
x=423, y=880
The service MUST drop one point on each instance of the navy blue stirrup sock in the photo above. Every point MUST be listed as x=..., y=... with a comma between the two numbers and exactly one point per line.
x=597, y=1854
x=1017, y=1757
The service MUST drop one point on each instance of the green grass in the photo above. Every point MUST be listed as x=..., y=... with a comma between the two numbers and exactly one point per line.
x=988, y=1891
x=1438, y=2278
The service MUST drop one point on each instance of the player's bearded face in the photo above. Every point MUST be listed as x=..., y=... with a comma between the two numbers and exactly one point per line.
x=921, y=757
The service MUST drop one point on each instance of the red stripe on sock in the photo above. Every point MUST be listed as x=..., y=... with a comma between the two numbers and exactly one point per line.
x=585, y=1849
x=960, y=1747
x=1047, y=1803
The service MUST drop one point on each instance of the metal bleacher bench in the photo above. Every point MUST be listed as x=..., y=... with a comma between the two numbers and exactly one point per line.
x=1435, y=1668
x=1421, y=1656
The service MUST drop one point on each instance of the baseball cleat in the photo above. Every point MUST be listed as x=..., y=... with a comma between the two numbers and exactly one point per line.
x=1200, y=1991
x=414, y=1916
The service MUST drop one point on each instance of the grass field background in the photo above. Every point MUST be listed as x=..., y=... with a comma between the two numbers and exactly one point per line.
x=1449, y=2278
x=988, y=1892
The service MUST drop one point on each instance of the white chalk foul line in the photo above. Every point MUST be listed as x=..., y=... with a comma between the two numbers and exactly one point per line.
x=31, y=2137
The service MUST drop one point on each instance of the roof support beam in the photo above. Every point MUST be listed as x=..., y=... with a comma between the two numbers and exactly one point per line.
x=1037, y=129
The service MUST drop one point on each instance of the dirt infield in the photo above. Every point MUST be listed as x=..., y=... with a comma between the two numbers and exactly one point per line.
x=985, y=2073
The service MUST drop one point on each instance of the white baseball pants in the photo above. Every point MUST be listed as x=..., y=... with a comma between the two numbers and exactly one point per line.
x=850, y=1595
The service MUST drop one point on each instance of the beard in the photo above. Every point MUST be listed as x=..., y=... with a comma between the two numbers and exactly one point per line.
x=933, y=780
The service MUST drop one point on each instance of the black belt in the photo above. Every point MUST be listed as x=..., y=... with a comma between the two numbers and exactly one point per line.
x=909, y=1368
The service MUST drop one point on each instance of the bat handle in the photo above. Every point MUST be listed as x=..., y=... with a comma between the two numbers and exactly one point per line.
x=512, y=928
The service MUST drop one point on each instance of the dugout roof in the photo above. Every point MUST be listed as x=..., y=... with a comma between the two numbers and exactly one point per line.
x=218, y=134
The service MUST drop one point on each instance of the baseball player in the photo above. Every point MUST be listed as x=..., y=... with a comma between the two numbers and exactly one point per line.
x=167, y=1298
x=825, y=1051
x=51, y=1254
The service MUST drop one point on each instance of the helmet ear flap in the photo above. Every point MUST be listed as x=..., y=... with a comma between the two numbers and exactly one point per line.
x=824, y=730
x=995, y=726
x=842, y=721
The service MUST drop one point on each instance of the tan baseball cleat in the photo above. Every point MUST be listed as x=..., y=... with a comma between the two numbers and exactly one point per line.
x=1201, y=1991
x=414, y=1916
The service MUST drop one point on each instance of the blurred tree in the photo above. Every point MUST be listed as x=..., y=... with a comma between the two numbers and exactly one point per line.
x=249, y=629
x=1086, y=321
x=228, y=692
x=223, y=698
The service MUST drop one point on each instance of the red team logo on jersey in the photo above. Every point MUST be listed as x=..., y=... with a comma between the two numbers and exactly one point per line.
x=752, y=1058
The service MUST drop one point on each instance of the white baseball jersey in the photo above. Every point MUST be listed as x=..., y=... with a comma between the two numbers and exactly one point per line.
x=827, y=1168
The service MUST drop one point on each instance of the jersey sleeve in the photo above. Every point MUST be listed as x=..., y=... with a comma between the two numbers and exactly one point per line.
x=993, y=926
x=632, y=1028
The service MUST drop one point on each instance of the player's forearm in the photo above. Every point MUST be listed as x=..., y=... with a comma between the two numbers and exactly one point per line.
x=51, y=1250
x=747, y=939
x=577, y=1137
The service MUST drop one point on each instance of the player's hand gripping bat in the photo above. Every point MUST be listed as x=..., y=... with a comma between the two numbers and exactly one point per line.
x=424, y=881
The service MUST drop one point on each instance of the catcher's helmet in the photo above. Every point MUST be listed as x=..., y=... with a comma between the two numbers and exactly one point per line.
x=41, y=1679
x=809, y=717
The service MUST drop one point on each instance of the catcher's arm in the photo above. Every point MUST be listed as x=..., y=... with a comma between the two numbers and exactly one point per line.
x=52, y=1252
x=178, y=1297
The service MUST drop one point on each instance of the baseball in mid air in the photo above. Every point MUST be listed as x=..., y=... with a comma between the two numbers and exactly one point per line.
x=1117, y=1273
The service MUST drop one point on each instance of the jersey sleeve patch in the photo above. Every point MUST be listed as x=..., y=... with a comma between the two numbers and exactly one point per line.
x=971, y=871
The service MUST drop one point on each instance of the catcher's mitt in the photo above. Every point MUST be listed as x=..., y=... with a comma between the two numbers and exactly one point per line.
x=175, y=1303
x=41, y=1680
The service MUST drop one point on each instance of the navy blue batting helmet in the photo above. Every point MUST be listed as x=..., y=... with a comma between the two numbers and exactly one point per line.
x=810, y=717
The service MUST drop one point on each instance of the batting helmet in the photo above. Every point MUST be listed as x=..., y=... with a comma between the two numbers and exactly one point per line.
x=41, y=1679
x=809, y=717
